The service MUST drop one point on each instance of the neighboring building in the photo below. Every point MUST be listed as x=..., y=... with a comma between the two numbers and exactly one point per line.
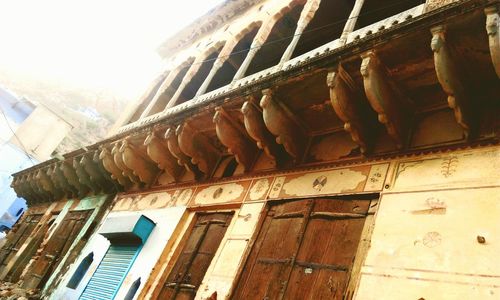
x=29, y=133
x=296, y=150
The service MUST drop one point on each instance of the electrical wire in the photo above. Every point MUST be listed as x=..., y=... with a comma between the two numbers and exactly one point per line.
x=25, y=151
x=267, y=43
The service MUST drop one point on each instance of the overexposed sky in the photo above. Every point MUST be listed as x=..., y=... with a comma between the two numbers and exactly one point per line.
x=108, y=44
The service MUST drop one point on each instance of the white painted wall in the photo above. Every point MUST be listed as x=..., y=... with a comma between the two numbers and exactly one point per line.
x=166, y=220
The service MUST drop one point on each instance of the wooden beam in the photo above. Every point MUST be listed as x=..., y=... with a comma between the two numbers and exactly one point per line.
x=384, y=96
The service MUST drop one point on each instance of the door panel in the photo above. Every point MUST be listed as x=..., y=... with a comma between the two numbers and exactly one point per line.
x=304, y=256
x=197, y=254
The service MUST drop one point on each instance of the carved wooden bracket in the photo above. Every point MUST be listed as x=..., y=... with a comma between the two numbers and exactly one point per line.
x=175, y=150
x=118, y=159
x=84, y=177
x=282, y=123
x=157, y=149
x=350, y=107
x=72, y=177
x=108, y=162
x=256, y=128
x=448, y=74
x=232, y=134
x=391, y=105
x=197, y=146
x=47, y=185
x=97, y=177
x=57, y=176
x=138, y=162
x=23, y=189
x=493, y=30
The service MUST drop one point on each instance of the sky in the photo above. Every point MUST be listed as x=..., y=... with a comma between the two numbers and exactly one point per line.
x=94, y=44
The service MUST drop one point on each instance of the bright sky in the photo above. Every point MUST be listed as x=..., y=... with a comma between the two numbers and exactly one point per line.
x=107, y=44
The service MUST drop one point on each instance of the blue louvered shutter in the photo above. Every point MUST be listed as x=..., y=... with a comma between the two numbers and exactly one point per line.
x=110, y=273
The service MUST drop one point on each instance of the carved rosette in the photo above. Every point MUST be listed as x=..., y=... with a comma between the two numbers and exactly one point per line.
x=108, y=162
x=232, y=134
x=197, y=146
x=157, y=150
x=349, y=106
x=138, y=163
x=448, y=74
x=493, y=30
x=281, y=122
x=391, y=105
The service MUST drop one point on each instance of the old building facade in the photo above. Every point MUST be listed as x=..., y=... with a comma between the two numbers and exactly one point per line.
x=297, y=149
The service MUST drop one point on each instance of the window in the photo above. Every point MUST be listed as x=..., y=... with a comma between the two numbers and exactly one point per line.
x=133, y=289
x=80, y=271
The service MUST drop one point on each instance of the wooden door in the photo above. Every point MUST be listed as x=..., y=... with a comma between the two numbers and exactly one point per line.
x=56, y=248
x=202, y=243
x=17, y=239
x=306, y=249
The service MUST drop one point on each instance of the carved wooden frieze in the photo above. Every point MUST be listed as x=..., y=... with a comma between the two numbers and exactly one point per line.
x=493, y=30
x=232, y=134
x=72, y=177
x=350, y=107
x=282, y=123
x=175, y=150
x=138, y=162
x=256, y=128
x=391, y=105
x=157, y=150
x=197, y=146
x=108, y=162
x=448, y=74
x=118, y=159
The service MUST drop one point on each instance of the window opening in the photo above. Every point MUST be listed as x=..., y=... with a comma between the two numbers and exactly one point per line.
x=82, y=269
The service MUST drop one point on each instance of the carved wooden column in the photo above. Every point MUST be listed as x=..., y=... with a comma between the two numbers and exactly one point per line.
x=306, y=16
x=197, y=146
x=232, y=134
x=157, y=149
x=282, y=123
x=257, y=42
x=118, y=159
x=391, y=105
x=351, y=22
x=138, y=163
x=182, y=159
x=448, y=74
x=256, y=128
x=109, y=164
x=493, y=30
x=350, y=107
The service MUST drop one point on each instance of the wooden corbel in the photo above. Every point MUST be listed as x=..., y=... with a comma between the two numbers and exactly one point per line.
x=84, y=177
x=47, y=185
x=257, y=130
x=197, y=146
x=96, y=175
x=118, y=159
x=233, y=135
x=108, y=162
x=493, y=30
x=32, y=184
x=282, y=123
x=23, y=189
x=72, y=177
x=38, y=186
x=57, y=176
x=138, y=162
x=391, y=105
x=350, y=107
x=448, y=74
x=182, y=159
x=157, y=150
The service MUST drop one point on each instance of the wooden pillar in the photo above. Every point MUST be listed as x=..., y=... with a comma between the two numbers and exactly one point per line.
x=351, y=22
